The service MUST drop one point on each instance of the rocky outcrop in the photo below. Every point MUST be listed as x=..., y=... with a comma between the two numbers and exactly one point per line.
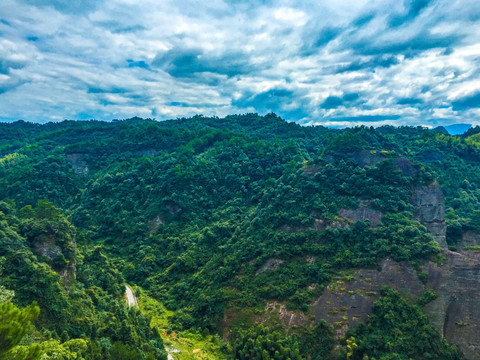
x=469, y=238
x=430, y=156
x=79, y=165
x=288, y=318
x=429, y=209
x=346, y=302
x=54, y=256
x=145, y=152
x=405, y=166
x=310, y=171
x=367, y=157
x=47, y=248
x=155, y=223
x=345, y=220
x=320, y=224
x=270, y=264
x=172, y=208
x=363, y=212
x=454, y=312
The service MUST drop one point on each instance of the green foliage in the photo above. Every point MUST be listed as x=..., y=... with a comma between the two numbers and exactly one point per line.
x=193, y=210
x=71, y=349
x=91, y=306
x=315, y=343
x=427, y=297
x=351, y=347
x=14, y=324
x=260, y=343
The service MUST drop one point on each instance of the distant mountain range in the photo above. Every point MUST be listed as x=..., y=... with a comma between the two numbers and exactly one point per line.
x=457, y=129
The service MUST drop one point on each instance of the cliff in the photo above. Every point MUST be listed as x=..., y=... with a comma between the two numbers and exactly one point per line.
x=454, y=312
x=429, y=209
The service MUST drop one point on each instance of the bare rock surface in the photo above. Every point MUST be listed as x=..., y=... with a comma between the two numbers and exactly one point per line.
x=454, y=313
x=270, y=264
x=155, y=223
x=429, y=209
x=51, y=250
x=346, y=303
x=78, y=163
x=288, y=318
x=367, y=157
x=405, y=166
x=469, y=238
x=48, y=248
x=362, y=213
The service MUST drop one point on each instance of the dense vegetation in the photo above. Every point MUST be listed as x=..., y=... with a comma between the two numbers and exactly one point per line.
x=191, y=210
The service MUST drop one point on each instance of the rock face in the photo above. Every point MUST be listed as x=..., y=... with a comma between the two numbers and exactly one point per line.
x=52, y=252
x=345, y=303
x=362, y=213
x=405, y=166
x=430, y=156
x=155, y=223
x=469, y=238
x=49, y=249
x=288, y=318
x=270, y=264
x=456, y=310
x=454, y=313
x=78, y=163
x=367, y=157
x=311, y=170
x=145, y=152
x=429, y=209
x=320, y=224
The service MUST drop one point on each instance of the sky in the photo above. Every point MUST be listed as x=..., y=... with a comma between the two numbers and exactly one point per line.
x=334, y=63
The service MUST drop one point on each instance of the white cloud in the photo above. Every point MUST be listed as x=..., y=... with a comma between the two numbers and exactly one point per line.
x=55, y=64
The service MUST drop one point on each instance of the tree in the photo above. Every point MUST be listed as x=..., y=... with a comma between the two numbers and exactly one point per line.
x=351, y=347
x=14, y=324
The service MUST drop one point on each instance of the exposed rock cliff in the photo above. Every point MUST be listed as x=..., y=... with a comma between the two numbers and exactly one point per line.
x=429, y=209
x=79, y=165
x=469, y=238
x=288, y=318
x=456, y=310
x=60, y=260
x=270, y=264
x=347, y=302
x=367, y=157
x=454, y=313
x=362, y=213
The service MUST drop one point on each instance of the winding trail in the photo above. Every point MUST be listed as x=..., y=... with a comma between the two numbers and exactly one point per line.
x=131, y=299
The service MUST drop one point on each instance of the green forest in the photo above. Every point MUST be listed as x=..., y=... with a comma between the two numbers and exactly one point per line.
x=211, y=220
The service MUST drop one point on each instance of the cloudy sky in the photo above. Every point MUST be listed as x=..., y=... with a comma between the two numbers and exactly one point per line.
x=335, y=63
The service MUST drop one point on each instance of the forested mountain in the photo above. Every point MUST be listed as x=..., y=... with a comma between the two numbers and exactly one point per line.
x=244, y=237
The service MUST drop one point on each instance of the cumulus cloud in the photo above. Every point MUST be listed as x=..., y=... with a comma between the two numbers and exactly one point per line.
x=335, y=63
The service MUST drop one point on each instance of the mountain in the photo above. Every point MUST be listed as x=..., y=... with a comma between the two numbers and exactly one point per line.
x=242, y=237
x=457, y=129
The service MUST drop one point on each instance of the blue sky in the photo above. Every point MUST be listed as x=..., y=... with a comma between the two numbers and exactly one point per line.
x=334, y=63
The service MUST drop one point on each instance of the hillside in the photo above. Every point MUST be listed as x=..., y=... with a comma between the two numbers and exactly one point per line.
x=245, y=237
